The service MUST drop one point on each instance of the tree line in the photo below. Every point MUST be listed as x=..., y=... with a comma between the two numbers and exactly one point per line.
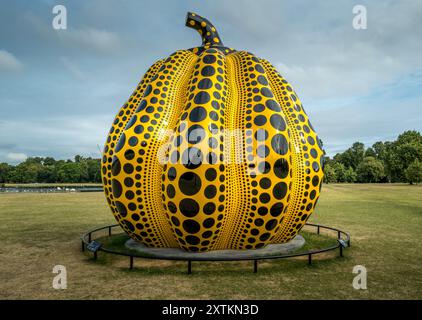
x=49, y=170
x=390, y=161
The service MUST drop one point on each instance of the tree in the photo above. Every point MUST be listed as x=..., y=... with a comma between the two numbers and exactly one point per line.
x=352, y=157
x=350, y=175
x=406, y=149
x=370, y=170
x=340, y=171
x=329, y=174
x=5, y=170
x=370, y=153
x=413, y=172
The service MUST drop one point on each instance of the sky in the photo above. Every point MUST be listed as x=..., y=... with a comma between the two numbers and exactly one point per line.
x=60, y=89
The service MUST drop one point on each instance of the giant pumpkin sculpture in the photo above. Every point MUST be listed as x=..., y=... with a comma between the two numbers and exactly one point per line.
x=213, y=150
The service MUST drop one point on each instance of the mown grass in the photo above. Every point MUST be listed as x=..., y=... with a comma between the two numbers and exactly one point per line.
x=38, y=231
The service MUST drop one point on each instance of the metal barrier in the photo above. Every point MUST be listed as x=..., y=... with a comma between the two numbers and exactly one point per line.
x=343, y=241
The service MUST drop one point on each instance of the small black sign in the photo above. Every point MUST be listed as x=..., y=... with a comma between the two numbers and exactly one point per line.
x=94, y=246
x=342, y=243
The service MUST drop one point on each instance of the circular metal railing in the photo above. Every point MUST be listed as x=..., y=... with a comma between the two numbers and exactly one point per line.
x=343, y=241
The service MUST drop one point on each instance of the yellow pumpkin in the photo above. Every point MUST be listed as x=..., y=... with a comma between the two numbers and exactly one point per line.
x=213, y=150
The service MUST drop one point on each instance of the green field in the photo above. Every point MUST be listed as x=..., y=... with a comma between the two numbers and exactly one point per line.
x=38, y=231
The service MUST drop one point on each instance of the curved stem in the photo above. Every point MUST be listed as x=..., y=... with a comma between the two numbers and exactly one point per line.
x=205, y=28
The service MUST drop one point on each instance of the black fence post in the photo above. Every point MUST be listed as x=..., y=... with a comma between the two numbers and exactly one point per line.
x=83, y=246
x=318, y=230
x=341, y=250
x=109, y=231
x=131, y=262
x=189, y=267
x=310, y=259
x=95, y=255
x=89, y=237
x=255, y=266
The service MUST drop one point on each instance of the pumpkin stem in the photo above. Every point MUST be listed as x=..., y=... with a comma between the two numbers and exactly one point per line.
x=205, y=28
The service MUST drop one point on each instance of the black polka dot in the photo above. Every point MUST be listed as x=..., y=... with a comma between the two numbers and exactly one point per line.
x=171, y=191
x=280, y=190
x=210, y=191
x=131, y=122
x=128, y=182
x=189, y=207
x=209, y=208
x=259, y=68
x=315, y=181
x=266, y=92
x=202, y=97
x=276, y=209
x=121, y=143
x=277, y=122
x=172, y=207
x=211, y=174
x=116, y=166
x=263, y=237
x=209, y=59
x=273, y=105
x=121, y=208
x=264, y=197
x=133, y=141
x=281, y=168
x=262, y=80
x=193, y=240
x=116, y=187
x=271, y=224
x=265, y=183
x=197, y=114
x=208, y=223
x=260, y=120
x=205, y=83
x=208, y=71
x=279, y=144
x=129, y=154
x=175, y=221
x=191, y=226
x=171, y=174
x=128, y=168
x=190, y=183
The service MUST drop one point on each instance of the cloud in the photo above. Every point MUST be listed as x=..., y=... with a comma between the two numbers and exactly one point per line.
x=16, y=157
x=99, y=40
x=8, y=62
x=72, y=68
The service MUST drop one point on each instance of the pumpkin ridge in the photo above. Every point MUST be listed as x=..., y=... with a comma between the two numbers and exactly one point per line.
x=137, y=186
x=119, y=122
x=306, y=180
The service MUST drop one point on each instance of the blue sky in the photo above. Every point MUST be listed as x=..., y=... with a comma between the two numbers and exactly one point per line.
x=60, y=89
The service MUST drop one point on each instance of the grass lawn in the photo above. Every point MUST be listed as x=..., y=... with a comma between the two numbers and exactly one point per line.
x=38, y=231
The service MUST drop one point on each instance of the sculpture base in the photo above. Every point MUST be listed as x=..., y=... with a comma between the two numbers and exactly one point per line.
x=180, y=254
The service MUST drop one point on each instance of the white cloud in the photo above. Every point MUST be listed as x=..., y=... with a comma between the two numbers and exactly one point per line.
x=72, y=68
x=99, y=40
x=16, y=157
x=9, y=62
